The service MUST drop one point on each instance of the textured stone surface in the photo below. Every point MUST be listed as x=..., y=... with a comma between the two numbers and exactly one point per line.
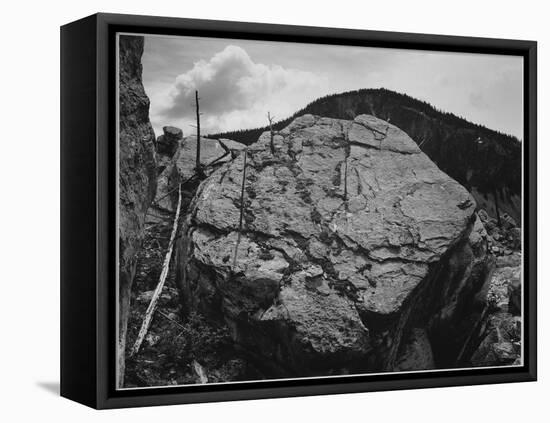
x=346, y=230
x=498, y=339
x=501, y=341
x=211, y=150
x=181, y=166
x=505, y=289
x=137, y=175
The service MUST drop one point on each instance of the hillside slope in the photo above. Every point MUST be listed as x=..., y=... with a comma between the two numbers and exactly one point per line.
x=486, y=162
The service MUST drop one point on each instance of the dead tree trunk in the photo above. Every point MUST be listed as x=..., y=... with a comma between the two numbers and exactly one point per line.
x=163, y=274
x=198, y=155
x=346, y=182
x=271, y=141
x=495, y=195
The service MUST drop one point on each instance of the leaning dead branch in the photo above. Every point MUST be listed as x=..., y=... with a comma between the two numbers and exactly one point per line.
x=226, y=153
x=422, y=142
x=241, y=211
x=163, y=274
x=171, y=320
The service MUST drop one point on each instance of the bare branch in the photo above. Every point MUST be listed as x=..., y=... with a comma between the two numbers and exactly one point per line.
x=172, y=320
x=271, y=143
x=163, y=274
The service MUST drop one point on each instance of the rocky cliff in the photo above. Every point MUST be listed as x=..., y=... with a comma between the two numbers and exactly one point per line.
x=137, y=174
x=355, y=249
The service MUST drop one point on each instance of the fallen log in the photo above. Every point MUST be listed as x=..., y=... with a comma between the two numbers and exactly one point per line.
x=163, y=274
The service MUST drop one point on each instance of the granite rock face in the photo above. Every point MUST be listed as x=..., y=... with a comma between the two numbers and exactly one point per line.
x=180, y=165
x=137, y=173
x=352, y=240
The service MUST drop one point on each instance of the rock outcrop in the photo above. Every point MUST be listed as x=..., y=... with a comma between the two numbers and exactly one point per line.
x=180, y=166
x=169, y=141
x=137, y=175
x=354, y=245
x=497, y=337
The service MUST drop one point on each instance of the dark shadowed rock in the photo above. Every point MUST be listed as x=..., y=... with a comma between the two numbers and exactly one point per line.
x=501, y=341
x=498, y=338
x=415, y=352
x=137, y=176
x=349, y=230
x=457, y=303
x=168, y=142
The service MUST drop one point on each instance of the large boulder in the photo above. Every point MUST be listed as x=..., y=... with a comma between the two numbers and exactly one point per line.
x=137, y=174
x=351, y=238
x=168, y=142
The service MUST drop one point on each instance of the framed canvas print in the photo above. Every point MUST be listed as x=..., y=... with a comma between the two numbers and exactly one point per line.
x=254, y=211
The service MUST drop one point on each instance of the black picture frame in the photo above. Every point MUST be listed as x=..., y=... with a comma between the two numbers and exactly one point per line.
x=88, y=237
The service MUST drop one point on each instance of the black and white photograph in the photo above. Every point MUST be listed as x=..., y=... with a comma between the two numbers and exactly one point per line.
x=290, y=210
x=253, y=212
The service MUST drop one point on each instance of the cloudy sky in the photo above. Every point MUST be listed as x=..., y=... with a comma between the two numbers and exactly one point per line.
x=239, y=81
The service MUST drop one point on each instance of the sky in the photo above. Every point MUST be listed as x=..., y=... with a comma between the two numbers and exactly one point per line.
x=240, y=81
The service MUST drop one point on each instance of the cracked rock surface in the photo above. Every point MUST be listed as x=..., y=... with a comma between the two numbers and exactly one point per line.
x=180, y=164
x=347, y=228
x=137, y=176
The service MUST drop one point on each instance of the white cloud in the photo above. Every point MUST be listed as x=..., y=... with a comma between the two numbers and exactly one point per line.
x=235, y=93
x=240, y=80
